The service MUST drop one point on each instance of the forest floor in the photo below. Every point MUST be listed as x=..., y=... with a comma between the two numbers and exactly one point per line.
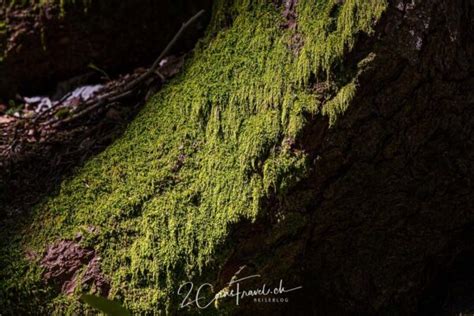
x=45, y=132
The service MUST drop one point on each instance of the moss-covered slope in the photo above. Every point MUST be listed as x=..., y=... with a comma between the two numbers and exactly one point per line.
x=204, y=153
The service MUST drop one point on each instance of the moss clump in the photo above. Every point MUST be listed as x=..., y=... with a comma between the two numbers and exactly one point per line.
x=203, y=153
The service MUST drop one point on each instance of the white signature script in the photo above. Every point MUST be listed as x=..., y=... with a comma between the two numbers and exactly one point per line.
x=236, y=292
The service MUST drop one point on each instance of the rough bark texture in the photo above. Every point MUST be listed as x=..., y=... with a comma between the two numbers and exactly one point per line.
x=50, y=42
x=391, y=207
x=379, y=224
x=395, y=178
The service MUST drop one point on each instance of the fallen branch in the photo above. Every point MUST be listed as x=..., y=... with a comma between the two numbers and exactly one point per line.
x=94, y=106
x=170, y=45
x=24, y=136
x=131, y=86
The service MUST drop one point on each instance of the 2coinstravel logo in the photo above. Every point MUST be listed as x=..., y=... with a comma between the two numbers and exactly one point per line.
x=233, y=289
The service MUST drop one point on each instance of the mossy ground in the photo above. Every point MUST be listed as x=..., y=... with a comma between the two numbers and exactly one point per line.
x=204, y=153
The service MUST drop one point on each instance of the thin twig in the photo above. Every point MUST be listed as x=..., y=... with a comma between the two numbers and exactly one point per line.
x=156, y=64
x=128, y=89
x=98, y=104
x=53, y=107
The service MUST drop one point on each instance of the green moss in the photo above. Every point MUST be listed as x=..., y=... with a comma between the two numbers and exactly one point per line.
x=340, y=102
x=204, y=153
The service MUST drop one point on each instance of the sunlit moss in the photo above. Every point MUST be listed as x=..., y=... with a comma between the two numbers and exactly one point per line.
x=206, y=150
x=340, y=102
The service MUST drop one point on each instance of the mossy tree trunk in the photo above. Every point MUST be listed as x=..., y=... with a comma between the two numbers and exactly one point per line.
x=335, y=154
x=389, y=202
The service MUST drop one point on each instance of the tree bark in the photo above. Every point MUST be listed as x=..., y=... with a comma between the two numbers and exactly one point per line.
x=381, y=224
x=392, y=207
